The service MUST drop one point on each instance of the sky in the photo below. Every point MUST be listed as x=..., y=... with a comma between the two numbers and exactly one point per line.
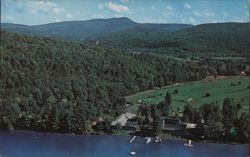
x=34, y=12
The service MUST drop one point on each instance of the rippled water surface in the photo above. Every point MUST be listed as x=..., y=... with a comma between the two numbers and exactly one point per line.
x=35, y=144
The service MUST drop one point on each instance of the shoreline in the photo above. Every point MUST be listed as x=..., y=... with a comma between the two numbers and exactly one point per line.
x=171, y=137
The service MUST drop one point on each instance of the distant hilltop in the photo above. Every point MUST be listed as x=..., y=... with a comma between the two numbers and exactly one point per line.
x=182, y=40
x=78, y=30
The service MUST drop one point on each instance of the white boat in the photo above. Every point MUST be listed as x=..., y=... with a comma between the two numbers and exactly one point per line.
x=157, y=139
x=148, y=140
x=132, y=153
x=189, y=144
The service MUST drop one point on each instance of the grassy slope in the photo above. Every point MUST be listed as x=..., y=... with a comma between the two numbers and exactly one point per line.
x=219, y=89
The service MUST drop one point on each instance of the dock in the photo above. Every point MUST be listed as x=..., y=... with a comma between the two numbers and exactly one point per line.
x=132, y=139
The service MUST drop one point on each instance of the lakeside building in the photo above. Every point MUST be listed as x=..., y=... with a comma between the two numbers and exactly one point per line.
x=123, y=118
x=126, y=122
x=175, y=126
x=172, y=124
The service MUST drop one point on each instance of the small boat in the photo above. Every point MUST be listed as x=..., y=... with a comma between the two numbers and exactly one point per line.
x=148, y=140
x=157, y=139
x=132, y=153
x=189, y=144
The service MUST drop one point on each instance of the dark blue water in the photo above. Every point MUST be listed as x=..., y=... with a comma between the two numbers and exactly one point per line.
x=35, y=144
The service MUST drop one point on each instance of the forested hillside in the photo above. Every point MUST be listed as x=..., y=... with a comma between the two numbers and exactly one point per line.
x=207, y=40
x=53, y=85
x=56, y=85
x=179, y=40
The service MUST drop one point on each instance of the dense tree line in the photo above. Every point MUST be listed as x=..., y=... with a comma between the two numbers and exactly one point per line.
x=216, y=123
x=63, y=86
x=59, y=86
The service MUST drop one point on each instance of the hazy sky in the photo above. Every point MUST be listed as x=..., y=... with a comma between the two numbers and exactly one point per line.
x=32, y=12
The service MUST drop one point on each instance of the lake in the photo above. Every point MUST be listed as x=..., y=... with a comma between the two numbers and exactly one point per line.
x=36, y=144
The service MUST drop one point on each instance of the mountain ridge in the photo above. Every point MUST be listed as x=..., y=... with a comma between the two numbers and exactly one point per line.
x=207, y=40
x=182, y=40
x=78, y=30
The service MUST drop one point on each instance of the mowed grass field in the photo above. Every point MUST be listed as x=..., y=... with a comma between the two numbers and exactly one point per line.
x=193, y=94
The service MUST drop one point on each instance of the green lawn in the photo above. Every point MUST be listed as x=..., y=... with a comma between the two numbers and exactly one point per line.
x=219, y=89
